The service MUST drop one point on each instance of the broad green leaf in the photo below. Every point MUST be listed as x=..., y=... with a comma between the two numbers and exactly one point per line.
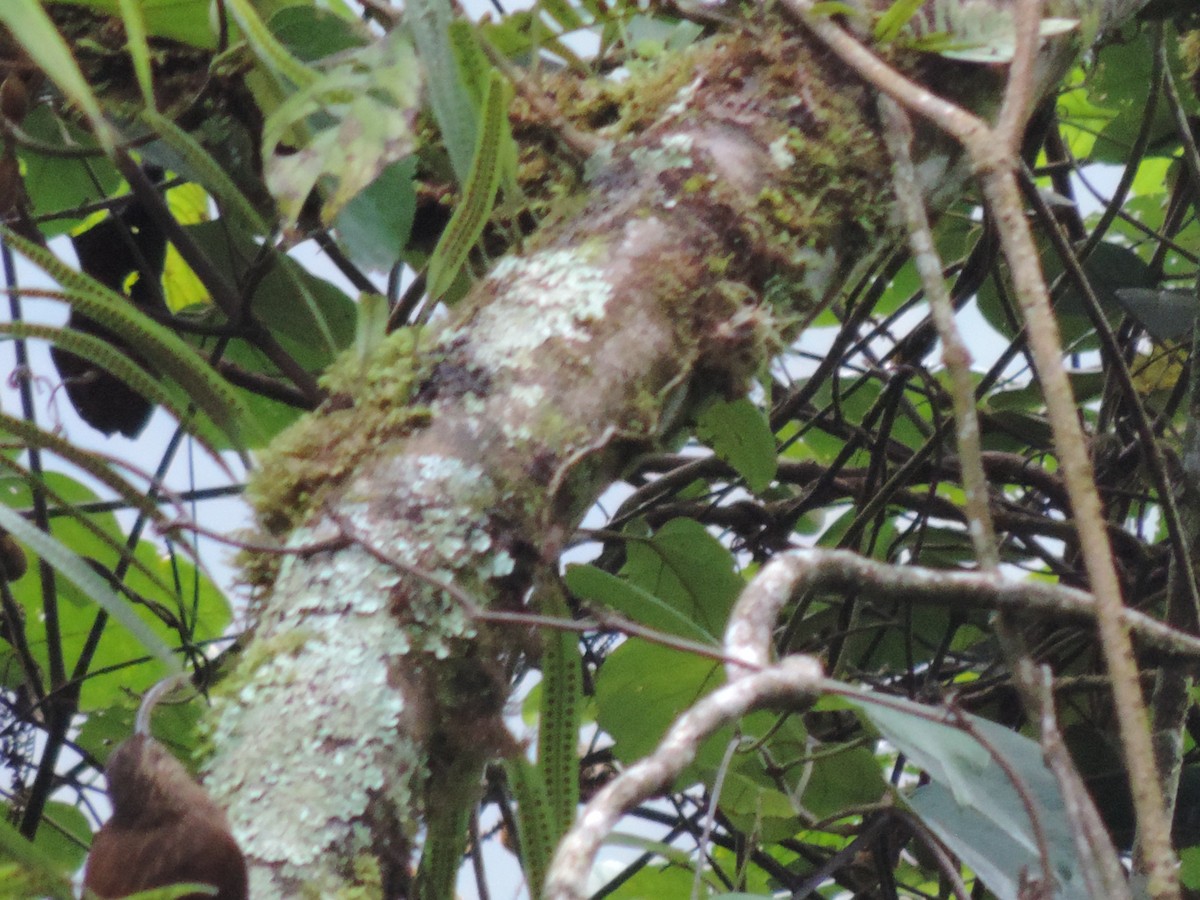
x=1189, y=872
x=79, y=573
x=52, y=876
x=837, y=781
x=739, y=433
x=187, y=21
x=597, y=586
x=656, y=880
x=429, y=22
x=1110, y=267
x=755, y=807
x=313, y=33
x=64, y=834
x=688, y=568
x=279, y=302
x=642, y=688
x=92, y=535
x=374, y=227
x=1120, y=82
x=268, y=50
x=56, y=184
x=175, y=892
x=358, y=119
x=1167, y=315
x=971, y=803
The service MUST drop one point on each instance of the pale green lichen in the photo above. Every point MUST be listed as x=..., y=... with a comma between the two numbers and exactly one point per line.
x=780, y=154
x=311, y=739
x=548, y=295
x=673, y=152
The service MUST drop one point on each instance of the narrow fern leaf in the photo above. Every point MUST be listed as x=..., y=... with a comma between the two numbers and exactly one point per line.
x=102, y=353
x=32, y=436
x=479, y=195
x=72, y=567
x=534, y=821
x=558, y=722
x=894, y=18
x=161, y=347
x=265, y=46
x=441, y=857
x=119, y=548
x=208, y=171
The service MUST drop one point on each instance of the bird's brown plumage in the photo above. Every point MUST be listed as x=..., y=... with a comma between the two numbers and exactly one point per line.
x=164, y=830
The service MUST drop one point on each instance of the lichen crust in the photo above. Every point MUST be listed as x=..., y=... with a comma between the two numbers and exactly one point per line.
x=548, y=295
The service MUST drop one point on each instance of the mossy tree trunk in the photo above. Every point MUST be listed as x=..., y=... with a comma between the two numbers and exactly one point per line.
x=367, y=696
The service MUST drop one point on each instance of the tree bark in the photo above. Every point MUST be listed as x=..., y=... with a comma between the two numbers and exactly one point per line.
x=368, y=698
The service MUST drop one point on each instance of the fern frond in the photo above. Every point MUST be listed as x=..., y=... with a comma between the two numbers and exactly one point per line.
x=161, y=347
x=112, y=360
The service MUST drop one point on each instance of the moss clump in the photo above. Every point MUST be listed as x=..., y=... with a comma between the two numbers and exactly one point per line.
x=369, y=406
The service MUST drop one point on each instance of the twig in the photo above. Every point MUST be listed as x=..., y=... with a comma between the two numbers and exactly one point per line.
x=792, y=679
x=897, y=134
x=787, y=575
x=1101, y=869
x=991, y=154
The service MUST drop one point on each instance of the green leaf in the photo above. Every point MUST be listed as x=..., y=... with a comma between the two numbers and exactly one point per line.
x=112, y=360
x=295, y=305
x=479, y=195
x=972, y=805
x=374, y=227
x=312, y=33
x=837, y=781
x=739, y=433
x=79, y=573
x=187, y=21
x=1189, y=872
x=56, y=184
x=894, y=18
x=597, y=586
x=642, y=688
x=269, y=51
x=202, y=168
x=134, y=20
x=535, y=820
x=355, y=120
x=688, y=568
x=1167, y=315
x=53, y=877
x=429, y=21
x=561, y=712
x=160, y=346
x=64, y=834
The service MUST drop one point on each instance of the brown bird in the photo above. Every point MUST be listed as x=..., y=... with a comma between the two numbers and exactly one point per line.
x=164, y=829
